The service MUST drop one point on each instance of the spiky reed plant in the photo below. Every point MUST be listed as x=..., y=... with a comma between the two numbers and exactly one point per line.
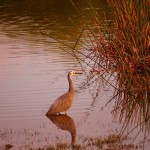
x=132, y=46
x=122, y=47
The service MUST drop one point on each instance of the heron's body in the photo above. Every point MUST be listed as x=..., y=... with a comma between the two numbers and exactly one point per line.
x=63, y=103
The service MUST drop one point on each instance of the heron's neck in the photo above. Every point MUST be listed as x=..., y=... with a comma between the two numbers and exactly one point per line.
x=71, y=88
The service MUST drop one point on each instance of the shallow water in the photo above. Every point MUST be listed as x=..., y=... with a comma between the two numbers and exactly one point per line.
x=33, y=73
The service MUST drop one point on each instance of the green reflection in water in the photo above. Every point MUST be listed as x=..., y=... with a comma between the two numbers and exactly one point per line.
x=30, y=17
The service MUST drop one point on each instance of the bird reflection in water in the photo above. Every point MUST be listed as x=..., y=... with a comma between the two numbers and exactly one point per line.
x=64, y=122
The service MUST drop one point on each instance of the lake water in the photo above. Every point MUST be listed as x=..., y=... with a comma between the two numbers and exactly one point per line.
x=33, y=70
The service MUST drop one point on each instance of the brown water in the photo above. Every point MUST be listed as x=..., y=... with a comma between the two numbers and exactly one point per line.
x=33, y=73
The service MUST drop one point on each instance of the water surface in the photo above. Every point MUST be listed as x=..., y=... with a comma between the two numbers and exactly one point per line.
x=33, y=70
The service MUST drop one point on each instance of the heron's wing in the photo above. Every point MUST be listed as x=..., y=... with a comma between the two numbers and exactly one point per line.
x=61, y=103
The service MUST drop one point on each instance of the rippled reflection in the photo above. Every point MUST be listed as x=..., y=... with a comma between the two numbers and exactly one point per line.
x=65, y=122
x=28, y=17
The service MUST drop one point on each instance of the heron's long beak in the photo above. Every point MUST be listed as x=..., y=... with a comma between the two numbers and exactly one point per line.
x=78, y=73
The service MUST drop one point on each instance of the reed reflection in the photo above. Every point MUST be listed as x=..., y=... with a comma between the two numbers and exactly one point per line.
x=132, y=105
x=131, y=94
x=65, y=122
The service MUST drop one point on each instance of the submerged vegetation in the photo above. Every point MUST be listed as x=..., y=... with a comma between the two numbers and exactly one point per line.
x=112, y=141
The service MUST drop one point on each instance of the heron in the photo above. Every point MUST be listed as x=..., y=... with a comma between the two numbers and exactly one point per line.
x=64, y=102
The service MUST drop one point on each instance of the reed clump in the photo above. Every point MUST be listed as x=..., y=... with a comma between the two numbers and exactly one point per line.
x=121, y=46
x=124, y=50
x=131, y=43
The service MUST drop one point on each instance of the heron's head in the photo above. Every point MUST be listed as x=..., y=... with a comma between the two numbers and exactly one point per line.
x=72, y=73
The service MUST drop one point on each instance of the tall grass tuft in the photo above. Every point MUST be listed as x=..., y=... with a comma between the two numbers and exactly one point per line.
x=122, y=46
x=131, y=44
